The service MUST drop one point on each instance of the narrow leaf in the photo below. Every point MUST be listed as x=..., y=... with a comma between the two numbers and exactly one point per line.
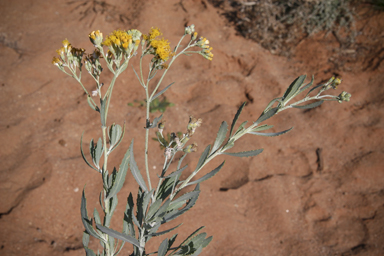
x=191, y=236
x=267, y=115
x=185, y=197
x=163, y=248
x=162, y=91
x=89, y=252
x=307, y=85
x=245, y=153
x=119, y=140
x=98, y=152
x=293, y=88
x=135, y=170
x=203, y=157
x=102, y=111
x=82, y=154
x=272, y=134
x=308, y=106
x=84, y=218
x=241, y=127
x=314, y=88
x=165, y=231
x=220, y=137
x=153, y=208
x=120, y=177
x=236, y=117
x=118, y=235
x=270, y=104
x=208, y=175
x=176, y=172
x=262, y=128
x=138, y=78
x=92, y=104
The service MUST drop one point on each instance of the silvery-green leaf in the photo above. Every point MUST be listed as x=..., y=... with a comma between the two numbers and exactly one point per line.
x=85, y=239
x=111, y=241
x=118, y=235
x=207, y=241
x=163, y=248
x=236, y=117
x=89, y=252
x=191, y=236
x=171, y=240
x=197, y=252
x=82, y=154
x=165, y=231
x=153, y=208
x=314, y=88
x=266, y=115
x=155, y=121
x=185, y=197
x=181, y=160
x=203, y=157
x=135, y=170
x=308, y=106
x=102, y=111
x=92, y=104
x=307, y=85
x=138, y=78
x=120, y=177
x=220, y=137
x=245, y=153
x=98, y=152
x=208, y=175
x=163, y=209
x=262, y=128
x=162, y=91
x=270, y=104
x=152, y=75
x=293, y=88
x=272, y=134
x=84, y=218
x=129, y=216
x=96, y=216
x=241, y=127
x=166, y=186
x=176, y=172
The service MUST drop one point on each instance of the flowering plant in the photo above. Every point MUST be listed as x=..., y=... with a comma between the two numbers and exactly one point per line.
x=164, y=202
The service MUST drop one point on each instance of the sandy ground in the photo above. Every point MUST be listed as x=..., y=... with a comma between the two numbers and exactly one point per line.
x=318, y=190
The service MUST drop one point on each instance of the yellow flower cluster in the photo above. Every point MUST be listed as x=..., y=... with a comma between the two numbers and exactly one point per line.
x=118, y=38
x=206, y=52
x=155, y=32
x=162, y=48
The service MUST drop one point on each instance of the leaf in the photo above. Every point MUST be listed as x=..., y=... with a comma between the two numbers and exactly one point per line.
x=293, y=88
x=165, y=231
x=220, y=137
x=82, y=154
x=162, y=91
x=270, y=104
x=272, y=134
x=129, y=216
x=191, y=236
x=181, y=160
x=137, y=76
x=163, y=248
x=135, y=170
x=175, y=172
x=245, y=153
x=307, y=85
x=207, y=241
x=118, y=235
x=96, y=216
x=185, y=197
x=241, y=127
x=98, y=152
x=120, y=177
x=314, y=88
x=308, y=106
x=203, y=157
x=208, y=175
x=85, y=239
x=89, y=252
x=86, y=221
x=120, y=134
x=92, y=104
x=262, y=128
x=153, y=208
x=267, y=115
x=236, y=117
x=155, y=121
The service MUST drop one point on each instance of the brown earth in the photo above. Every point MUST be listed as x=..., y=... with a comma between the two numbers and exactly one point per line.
x=319, y=190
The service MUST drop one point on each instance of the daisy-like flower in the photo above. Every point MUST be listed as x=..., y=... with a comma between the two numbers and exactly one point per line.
x=153, y=33
x=162, y=48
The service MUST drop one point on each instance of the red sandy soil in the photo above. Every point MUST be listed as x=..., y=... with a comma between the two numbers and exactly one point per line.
x=290, y=200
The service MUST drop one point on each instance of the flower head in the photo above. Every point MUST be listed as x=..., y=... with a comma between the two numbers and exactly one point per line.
x=162, y=48
x=153, y=33
x=96, y=37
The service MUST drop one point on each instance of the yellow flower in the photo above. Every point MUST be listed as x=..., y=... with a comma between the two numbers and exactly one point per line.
x=56, y=61
x=162, y=48
x=118, y=38
x=66, y=43
x=155, y=32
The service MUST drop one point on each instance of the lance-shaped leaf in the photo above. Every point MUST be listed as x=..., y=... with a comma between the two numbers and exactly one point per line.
x=135, y=170
x=203, y=157
x=272, y=134
x=118, y=235
x=175, y=172
x=208, y=175
x=270, y=104
x=153, y=209
x=89, y=252
x=162, y=91
x=220, y=137
x=189, y=205
x=128, y=217
x=185, y=197
x=86, y=221
x=164, y=232
x=155, y=122
x=92, y=104
x=266, y=115
x=307, y=85
x=245, y=153
x=293, y=89
x=116, y=136
x=163, y=248
x=262, y=128
x=96, y=151
x=236, y=117
x=85, y=239
x=241, y=127
x=138, y=78
x=82, y=154
x=314, y=88
x=118, y=182
x=308, y=106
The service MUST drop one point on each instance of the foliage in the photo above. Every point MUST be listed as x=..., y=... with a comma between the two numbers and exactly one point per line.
x=155, y=206
x=156, y=104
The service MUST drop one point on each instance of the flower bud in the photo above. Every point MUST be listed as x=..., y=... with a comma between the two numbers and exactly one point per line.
x=96, y=38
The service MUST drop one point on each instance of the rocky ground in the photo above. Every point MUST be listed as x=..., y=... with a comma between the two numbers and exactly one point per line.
x=318, y=190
